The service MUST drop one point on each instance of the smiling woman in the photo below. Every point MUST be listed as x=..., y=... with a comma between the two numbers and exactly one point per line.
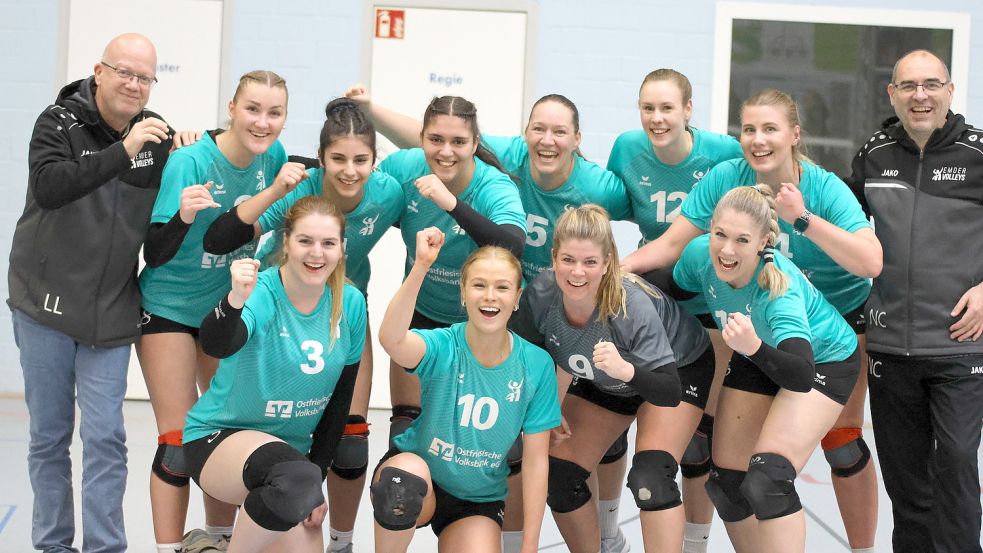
x=200, y=182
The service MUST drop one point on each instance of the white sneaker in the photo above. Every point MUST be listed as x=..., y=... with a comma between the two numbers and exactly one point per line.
x=617, y=544
x=347, y=549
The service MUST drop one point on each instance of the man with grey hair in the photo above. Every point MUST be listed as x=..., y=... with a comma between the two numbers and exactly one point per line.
x=95, y=159
x=921, y=178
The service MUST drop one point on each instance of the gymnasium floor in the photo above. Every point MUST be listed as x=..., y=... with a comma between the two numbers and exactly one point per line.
x=825, y=531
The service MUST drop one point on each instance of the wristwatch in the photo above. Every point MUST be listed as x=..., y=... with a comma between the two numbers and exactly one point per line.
x=802, y=221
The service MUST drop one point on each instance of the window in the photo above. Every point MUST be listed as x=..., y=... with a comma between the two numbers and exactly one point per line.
x=835, y=62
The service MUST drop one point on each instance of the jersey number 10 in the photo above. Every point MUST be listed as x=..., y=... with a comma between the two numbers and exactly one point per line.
x=474, y=411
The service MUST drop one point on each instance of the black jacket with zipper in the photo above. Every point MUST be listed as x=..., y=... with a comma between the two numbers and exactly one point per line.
x=73, y=262
x=927, y=208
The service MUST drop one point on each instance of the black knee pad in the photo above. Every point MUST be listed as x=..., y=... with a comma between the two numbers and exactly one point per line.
x=567, y=487
x=696, y=459
x=770, y=486
x=724, y=489
x=351, y=458
x=284, y=487
x=652, y=480
x=848, y=459
x=403, y=417
x=169, y=463
x=617, y=449
x=397, y=498
x=514, y=457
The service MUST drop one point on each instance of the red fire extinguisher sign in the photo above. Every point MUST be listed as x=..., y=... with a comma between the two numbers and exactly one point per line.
x=390, y=23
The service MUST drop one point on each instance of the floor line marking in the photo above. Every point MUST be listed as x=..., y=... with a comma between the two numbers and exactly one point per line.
x=829, y=529
x=7, y=517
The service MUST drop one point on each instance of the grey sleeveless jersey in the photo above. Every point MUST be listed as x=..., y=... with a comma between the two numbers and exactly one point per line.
x=653, y=333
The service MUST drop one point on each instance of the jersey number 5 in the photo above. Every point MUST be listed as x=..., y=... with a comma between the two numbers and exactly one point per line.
x=536, y=236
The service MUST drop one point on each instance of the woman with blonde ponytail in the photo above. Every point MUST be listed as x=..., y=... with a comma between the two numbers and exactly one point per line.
x=796, y=362
x=823, y=230
x=626, y=351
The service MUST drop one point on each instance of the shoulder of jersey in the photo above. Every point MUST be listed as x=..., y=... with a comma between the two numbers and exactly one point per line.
x=875, y=140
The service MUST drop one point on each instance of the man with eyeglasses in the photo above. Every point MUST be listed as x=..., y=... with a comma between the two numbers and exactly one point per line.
x=921, y=178
x=95, y=159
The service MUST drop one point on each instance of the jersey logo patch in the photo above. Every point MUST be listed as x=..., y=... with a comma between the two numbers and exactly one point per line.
x=515, y=391
x=369, y=227
x=442, y=449
x=644, y=181
x=282, y=409
x=412, y=206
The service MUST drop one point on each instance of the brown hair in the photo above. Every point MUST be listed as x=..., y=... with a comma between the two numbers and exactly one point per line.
x=319, y=205
x=457, y=106
x=777, y=98
x=590, y=222
x=758, y=203
x=666, y=74
x=565, y=102
x=343, y=118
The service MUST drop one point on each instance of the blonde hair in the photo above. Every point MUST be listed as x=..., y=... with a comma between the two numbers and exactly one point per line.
x=590, y=222
x=776, y=98
x=260, y=76
x=758, y=203
x=490, y=252
x=319, y=205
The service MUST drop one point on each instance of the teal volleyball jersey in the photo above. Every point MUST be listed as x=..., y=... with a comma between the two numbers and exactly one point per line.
x=823, y=194
x=588, y=183
x=657, y=190
x=283, y=377
x=379, y=209
x=802, y=312
x=193, y=281
x=472, y=414
x=490, y=193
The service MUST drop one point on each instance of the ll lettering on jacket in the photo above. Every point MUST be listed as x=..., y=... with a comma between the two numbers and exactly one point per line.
x=52, y=307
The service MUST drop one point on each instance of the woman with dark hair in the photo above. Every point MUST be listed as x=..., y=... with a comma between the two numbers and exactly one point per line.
x=453, y=183
x=371, y=202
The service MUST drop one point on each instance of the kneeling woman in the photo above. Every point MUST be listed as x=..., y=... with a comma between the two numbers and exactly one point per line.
x=481, y=385
x=796, y=361
x=625, y=350
x=290, y=340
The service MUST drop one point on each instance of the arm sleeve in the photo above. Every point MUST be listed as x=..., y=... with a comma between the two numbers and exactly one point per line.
x=790, y=365
x=663, y=280
x=858, y=179
x=329, y=429
x=223, y=332
x=164, y=240
x=485, y=232
x=659, y=387
x=227, y=233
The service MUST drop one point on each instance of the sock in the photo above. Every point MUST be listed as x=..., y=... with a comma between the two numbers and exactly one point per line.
x=863, y=550
x=695, y=537
x=219, y=532
x=339, y=540
x=608, y=517
x=169, y=547
x=511, y=541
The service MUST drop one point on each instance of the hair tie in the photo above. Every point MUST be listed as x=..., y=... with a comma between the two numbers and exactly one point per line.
x=768, y=254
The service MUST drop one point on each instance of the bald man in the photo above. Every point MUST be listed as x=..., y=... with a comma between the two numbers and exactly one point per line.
x=95, y=159
x=921, y=177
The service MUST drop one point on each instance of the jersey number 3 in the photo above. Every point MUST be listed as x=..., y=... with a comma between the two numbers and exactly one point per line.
x=315, y=356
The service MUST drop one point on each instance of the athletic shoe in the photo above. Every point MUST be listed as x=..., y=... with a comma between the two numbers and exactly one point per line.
x=617, y=544
x=198, y=541
x=347, y=549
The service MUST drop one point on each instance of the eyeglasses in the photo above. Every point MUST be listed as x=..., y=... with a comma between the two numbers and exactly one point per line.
x=126, y=75
x=909, y=87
